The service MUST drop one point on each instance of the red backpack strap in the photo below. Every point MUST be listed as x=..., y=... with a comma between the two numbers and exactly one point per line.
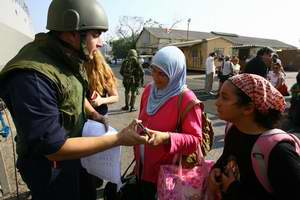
x=261, y=151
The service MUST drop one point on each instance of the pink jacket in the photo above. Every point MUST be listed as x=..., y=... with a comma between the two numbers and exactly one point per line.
x=165, y=120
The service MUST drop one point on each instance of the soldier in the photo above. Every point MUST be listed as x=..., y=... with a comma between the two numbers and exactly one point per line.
x=44, y=88
x=133, y=78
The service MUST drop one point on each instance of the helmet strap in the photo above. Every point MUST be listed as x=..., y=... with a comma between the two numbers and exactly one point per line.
x=81, y=53
x=84, y=52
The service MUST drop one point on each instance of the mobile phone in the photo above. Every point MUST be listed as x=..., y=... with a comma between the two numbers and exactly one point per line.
x=143, y=129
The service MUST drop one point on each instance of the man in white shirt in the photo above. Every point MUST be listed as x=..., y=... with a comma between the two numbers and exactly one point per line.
x=210, y=71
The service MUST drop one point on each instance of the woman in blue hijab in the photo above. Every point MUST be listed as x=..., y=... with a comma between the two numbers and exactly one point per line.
x=159, y=111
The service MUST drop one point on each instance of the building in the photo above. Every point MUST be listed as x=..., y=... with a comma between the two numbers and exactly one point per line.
x=197, y=45
x=290, y=59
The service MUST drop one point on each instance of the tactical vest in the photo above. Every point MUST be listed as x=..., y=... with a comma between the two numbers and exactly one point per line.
x=46, y=56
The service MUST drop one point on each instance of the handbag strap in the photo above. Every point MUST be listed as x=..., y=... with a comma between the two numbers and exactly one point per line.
x=182, y=114
x=177, y=156
x=125, y=172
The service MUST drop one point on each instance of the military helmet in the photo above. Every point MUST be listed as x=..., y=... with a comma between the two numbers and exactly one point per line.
x=76, y=15
x=132, y=53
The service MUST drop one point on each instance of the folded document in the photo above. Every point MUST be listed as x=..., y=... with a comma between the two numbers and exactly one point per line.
x=107, y=164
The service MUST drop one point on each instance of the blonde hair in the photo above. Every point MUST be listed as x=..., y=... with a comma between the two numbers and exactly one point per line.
x=99, y=74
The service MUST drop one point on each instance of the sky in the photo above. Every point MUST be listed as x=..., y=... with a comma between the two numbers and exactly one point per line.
x=272, y=19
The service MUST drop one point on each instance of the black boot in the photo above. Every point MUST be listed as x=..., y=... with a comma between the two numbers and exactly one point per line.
x=126, y=107
x=132, y=102
x=132, y=109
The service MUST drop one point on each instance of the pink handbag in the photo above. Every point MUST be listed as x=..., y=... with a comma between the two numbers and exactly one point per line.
x=177, y=183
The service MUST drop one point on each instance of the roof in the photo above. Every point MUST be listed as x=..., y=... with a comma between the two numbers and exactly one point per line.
x=237, y=40
x=178, y=34
x=187, y=43
x=193, y=42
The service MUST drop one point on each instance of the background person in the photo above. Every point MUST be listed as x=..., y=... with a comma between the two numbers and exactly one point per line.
x=260, y=64
x=133, y=78
x=210, y=72
x=102, y=83
x=294, y=111
x=275, y=76
x=227, y=71
x=236, y=68
x=44, y=89
x=101, y=92
x=276, y=59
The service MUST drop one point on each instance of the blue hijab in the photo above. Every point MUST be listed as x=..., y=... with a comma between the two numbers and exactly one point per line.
x=171, y=61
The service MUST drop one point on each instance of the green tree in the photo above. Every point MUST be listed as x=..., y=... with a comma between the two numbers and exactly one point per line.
x=121, y=46
x=128, y=31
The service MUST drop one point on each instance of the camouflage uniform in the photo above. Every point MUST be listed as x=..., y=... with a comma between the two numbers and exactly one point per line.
x=133, y=78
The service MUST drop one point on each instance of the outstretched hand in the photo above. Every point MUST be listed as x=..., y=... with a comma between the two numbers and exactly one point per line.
x=129, y=136
x=100, y=118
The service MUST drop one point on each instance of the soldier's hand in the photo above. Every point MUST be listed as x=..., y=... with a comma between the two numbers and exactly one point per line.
x=100, y=118
x=129, y=136
x=104, y=121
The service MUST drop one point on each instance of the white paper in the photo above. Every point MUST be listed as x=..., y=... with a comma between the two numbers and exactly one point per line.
x=107, y=164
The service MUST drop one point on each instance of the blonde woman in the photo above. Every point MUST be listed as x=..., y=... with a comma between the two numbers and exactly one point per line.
x=102, y=83
x=235, y=65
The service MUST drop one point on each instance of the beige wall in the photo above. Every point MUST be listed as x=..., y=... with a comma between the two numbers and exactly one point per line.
x=219, y=43
x=203, y=50
x=165, y=42
x=147, y=43
x=194, y=56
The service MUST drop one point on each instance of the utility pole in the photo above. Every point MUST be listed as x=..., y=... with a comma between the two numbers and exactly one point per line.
x=188, y=27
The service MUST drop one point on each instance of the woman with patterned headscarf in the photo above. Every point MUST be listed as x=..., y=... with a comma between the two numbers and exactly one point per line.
x=159, y=111
x=253, y=107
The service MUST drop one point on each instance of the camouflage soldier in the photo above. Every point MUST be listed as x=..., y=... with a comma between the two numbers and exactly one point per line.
x=133, y=78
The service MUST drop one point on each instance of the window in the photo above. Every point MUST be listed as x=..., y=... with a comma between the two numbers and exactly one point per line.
x=195, y=52
x=146, y=38
x=195, y=57
x=219, y=51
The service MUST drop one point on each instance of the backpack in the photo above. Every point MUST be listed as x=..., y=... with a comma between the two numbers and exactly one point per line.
x=261, y=151
x=207, y=130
